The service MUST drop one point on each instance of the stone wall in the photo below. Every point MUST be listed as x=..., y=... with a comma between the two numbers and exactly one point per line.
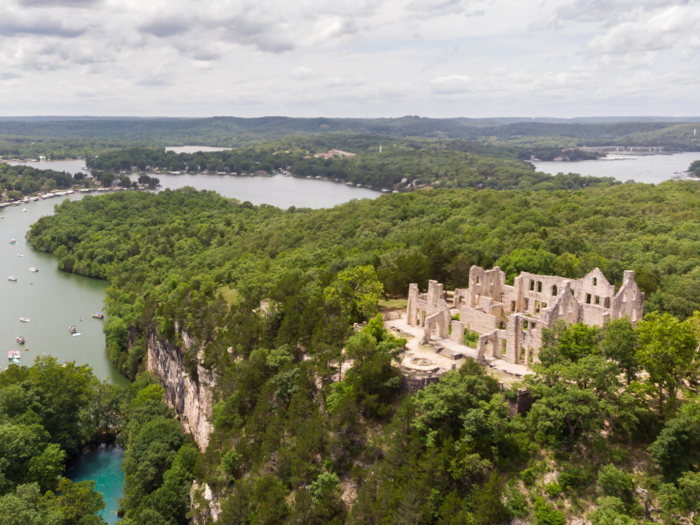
x=477, y=321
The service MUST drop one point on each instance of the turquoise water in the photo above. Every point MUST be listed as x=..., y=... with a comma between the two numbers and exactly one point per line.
x=103, y=465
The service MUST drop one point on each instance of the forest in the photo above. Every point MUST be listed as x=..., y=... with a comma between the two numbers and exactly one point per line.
x=18, y=181
x=238, y=132
x=402, y=165
x=295, y=443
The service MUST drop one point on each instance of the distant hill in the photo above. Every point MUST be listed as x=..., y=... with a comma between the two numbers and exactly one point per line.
x=672, y=133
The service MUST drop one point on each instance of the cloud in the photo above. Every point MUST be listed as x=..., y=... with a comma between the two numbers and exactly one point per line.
x=12, y=26
x=60, y=3
x=610, y=12
x=303, y=72
x=661, y=32
x=454, y=84
x=165, y=28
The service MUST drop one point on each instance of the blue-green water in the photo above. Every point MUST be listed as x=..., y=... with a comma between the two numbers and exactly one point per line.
x=103, y=465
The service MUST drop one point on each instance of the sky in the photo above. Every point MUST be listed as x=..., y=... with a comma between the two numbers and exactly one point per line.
x=350, y=58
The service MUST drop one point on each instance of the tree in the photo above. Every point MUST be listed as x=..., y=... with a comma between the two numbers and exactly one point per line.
x=76, y=503
x=677, y=449
x=579, y=397
x=356, y=293
x=621, y=343
x=668, y=352
x=683, y=498
x=610, y=511
x=487, y=507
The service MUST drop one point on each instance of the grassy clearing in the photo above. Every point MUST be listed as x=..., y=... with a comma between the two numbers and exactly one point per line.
x=229, y=294
x=393, y=304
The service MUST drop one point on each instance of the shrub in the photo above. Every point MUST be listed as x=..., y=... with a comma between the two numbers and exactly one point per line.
x=553, y=489
x=546, y=514
x=616, y=483
x=528, y=476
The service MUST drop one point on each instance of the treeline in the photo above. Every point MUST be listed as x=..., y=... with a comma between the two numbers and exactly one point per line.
x=695, y=168
x=59, y=148
x=401, y=165
x=25, y=180
x=297, y=441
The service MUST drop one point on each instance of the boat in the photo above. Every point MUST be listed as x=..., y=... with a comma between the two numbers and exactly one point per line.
x=20, y=255
x=33, y=269
x=24, y=319
x=24, y=210
x=12, y=278
x=76, y=335
x=14, y=355
x=20, y=340
x=13, y=241
x=99, y=315
x=72, y=329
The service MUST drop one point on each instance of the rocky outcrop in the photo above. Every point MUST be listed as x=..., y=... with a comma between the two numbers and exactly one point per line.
x=205, y=507
x=191, y=398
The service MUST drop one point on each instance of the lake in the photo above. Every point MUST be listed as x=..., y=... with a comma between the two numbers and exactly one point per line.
x=69, y=166
x=643, y=168
x=276, y=190
x=51, y=299
x=193, y=149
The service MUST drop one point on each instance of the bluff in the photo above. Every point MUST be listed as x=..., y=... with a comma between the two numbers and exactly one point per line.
x=190, y=397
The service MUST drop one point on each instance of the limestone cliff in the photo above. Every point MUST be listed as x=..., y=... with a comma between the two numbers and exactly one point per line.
x=191, y=398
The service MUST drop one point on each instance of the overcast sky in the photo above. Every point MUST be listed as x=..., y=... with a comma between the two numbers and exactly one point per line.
x=350, y=58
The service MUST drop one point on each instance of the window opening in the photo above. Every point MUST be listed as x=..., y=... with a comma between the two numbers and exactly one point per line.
x=504, y=347
x=588, y=298
x=606, y=302
x=539, y=286
x=532, y=285
x=554, y=290
x=597, y=300
x=524, y=325
x=537, y=307
x=595, y=281
x=527, y=304
x=512, y=306
x=477, y=279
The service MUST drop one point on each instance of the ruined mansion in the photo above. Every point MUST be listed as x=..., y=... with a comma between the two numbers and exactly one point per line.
x=508, y=320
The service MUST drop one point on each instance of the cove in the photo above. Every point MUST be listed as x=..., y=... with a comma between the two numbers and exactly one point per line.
x=103, y=465
x=643, y=168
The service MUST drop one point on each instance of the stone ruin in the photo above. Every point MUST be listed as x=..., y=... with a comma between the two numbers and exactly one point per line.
x=509, y=319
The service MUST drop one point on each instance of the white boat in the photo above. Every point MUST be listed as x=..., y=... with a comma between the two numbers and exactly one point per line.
x=99, y=315
x=76, y=335
x=12, y=278
x=24, y=319
x=33, y=269
x=13, y=241
x=20, y=255
x=14, y=355
x=24, y=210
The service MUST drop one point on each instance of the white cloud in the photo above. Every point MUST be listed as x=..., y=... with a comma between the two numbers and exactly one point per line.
x=349, y=57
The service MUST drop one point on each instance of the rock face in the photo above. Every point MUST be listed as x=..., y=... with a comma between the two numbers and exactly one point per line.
x=190, y=398
x=205, y=507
